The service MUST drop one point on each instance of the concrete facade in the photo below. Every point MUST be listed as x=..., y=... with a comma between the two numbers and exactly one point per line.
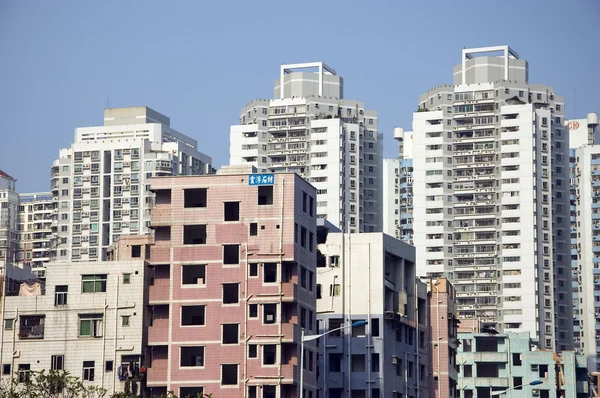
x=233, y=285
x=310, y=129
x=491, y=196
x=36, y=215
x=88, y=319
x=102, y=182
x=371, y=277
x=9, y=201
x=443, y=343
x=496, y=362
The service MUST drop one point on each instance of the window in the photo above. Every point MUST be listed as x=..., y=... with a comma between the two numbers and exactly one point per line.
x=358, y=362
x=194, y=197
x=193, y=315
x=108, y=366
x=269, y=313
x=265, y=195
x=253, y=269
x=136, y=251
x=335, y=362
x=194, y=234
x=252, y=351
x=191, y=356
x=269, y=354
x=9, y=324
x=319, y=290
x=231, y=254
x=374, y=362
x=229, y=374
x=193, y=274
x=126, y=279
x=374, y=327
x=334, y=324
x=93, y=283
x=125, y=320
x=303, y=232
x=88, y=370
x=230, y=333
x=231, y=293
x=253, y=229
x=516, y=359
x=24, y=372
x=311, y=206
x=6, y=369
x=468, y=371
x=90, y=325
x=334, y=290
x=60, y=294
x=359, y=331
x=57, y=362
x=31, y=327
x=232, y=211
x=253, y=311
x=270, y=272
x=191, y=391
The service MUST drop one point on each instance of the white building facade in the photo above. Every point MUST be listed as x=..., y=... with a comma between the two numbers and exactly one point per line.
x=491, y=196
x=585, y=235
x=9, y=202
x=101, y=183
x=36, y=215
x=88, y=319
x=371, y=277
x=332, y=142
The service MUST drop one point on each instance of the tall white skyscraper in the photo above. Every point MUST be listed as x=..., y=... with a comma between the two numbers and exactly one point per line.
x=491, y=195
x=585, y=234
x=37, y=216
x=310, y=129
x=101, y=183
x=9, y=202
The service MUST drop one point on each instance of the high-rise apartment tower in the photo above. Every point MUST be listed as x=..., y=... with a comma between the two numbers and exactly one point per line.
x=310, y=129
x=491, y=195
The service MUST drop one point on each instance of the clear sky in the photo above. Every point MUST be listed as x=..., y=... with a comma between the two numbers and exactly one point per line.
x=199, y=62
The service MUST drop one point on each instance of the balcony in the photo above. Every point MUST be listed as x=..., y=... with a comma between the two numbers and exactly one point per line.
x=290, y=291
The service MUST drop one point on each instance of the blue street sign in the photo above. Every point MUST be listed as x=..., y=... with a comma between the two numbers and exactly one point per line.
x=261, y=179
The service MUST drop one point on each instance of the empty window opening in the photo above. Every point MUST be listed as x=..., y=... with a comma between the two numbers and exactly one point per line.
x=265, y=195
x=270, y=391
x=358, y=363
x=335, y=324
x=374, y=362
x=194, y=234
x=162, y=233
x=229, y=374
x=359, y=331
x=253, y=269
x=31, y=326
x=319, y=291
x=269, y=313
x=162, y=196
x=335, y=362
x=232, y=211
x=253, y=311
x=193, y=274
x=108, y=367
x=516, y=359
x=468, y=371
x=518, y=383
x=303, y=232
x=311, y=206
x=193, y=315
x=269, y=354
x=487, y=370
x=253, y=229
x=374, y=327
x=270, y=272
x=252, y=351
x=231, y=293
x=230, y=333
x=191, y=391
x=231, y=254
x=486, y=344
x=191, y=356
x=194, y=197
x=136, y=251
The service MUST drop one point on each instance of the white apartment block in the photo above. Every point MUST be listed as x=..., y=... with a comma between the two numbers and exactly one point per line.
x=310, y=129
x=36, y=216
x=397, y=189
x=491, y=196
x=585, y=235
x=371, y=277
x=87, y=319
x=102, y=182
x=9, y=202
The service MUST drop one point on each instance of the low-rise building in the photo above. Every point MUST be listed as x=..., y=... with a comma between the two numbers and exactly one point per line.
x=511, y=362
x=371, y=277
x=234, y=265
x=443, y=343
x=85, y=319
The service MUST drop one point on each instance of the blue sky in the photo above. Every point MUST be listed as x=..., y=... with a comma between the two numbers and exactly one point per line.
x=199, y=62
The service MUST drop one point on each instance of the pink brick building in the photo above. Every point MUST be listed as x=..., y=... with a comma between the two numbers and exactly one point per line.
x=234, y=283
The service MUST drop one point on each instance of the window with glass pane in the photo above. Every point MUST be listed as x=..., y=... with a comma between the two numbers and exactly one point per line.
x=90, y=325
x=93, y=283
x=60, y=294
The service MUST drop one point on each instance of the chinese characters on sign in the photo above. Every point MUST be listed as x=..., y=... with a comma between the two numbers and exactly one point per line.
x=261, y=179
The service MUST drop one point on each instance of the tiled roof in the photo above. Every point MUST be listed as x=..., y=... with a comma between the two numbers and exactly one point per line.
x=3, y=174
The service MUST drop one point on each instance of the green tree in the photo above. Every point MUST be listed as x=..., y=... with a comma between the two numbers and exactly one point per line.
x=52, y=384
